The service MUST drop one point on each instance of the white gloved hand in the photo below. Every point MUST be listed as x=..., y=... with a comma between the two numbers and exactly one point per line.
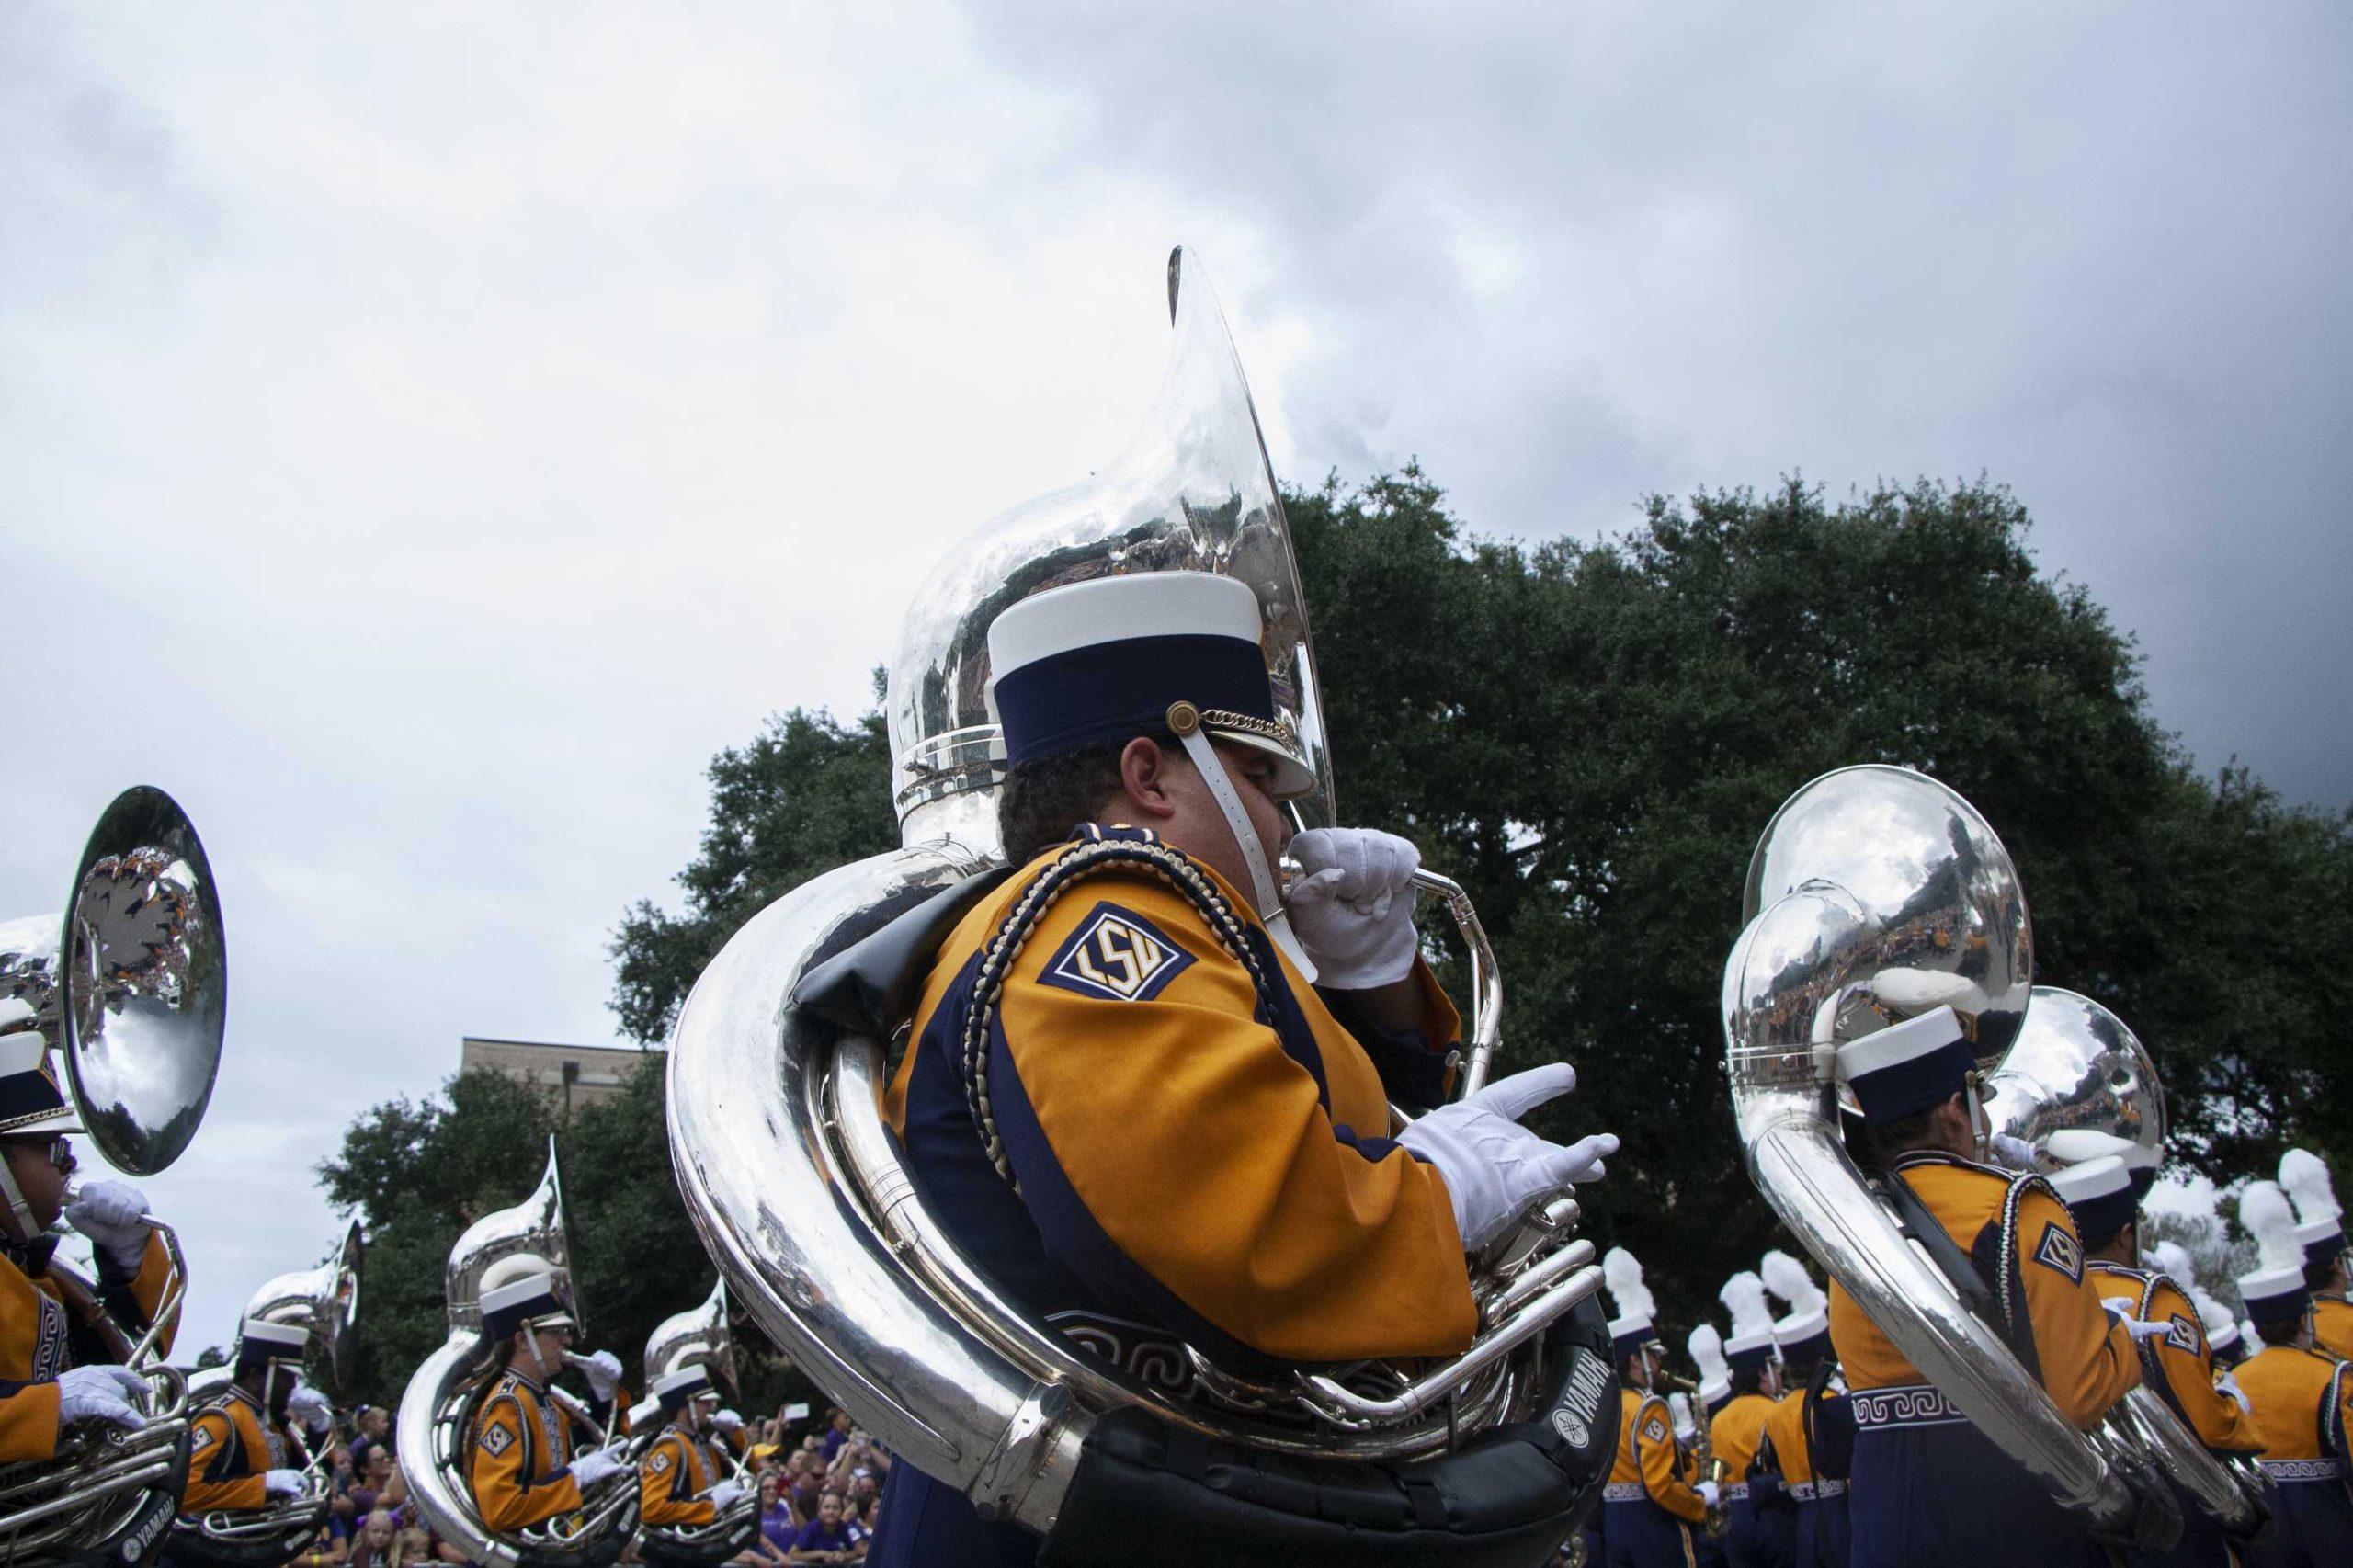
x=2138, y=1328
x=1353, y=906
x=596, y=1465
x=1678, y=1406
x=1709, y=1494
x=728, y=1421
x=603, y=1371
x=2012, y=1154
x=102, y=1393
x=114, y=1216
x=282, y=1482
x=309, y=1407
x=723, y=1496
x=1496, y=1169
x=2230, y=1385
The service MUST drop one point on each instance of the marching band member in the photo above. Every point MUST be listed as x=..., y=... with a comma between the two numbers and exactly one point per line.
x=684, y=1479
x=609, y=1401
x=2173, y=1359
x=519, y=1461
x=1928, y=1488
x=1154, y=1095
x=1649, y=1508
x=2300, y=1400
x=1706, y=1348
x=52, y=1364
x=2321, y=1235
x=237, y=1458
x=1760, y=1527
x=1811, y=1433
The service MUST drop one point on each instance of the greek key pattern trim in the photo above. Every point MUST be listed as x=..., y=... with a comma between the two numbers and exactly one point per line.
x=1913, y=1404
x=1735, y=1491
x=2301, y=1470
x=1826, y=1490
x=1801, y=1490
x=1623, y=1492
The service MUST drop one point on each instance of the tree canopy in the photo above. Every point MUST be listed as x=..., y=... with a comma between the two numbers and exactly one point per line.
x=1590, y=737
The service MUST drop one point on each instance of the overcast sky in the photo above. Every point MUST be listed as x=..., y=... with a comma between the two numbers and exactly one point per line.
x=428, y=433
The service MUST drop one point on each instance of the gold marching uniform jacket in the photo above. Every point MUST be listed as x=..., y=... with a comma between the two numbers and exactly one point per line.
x=2182, y=1357
x=2333, y=1326
x=1151, y=1124
x=230, y=1444
x=518, y=1457
x=1735, y=1435
x=672, y=1478
x=1649, y=1461
x=2083, y=1359
x=1792, y=1455
x=39, y=1327
x=2303, y=1409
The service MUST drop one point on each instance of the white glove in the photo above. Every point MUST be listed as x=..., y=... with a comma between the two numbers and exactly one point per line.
x=102, y=1393
x=2230, y=1385
x=723, y=1496
x=603, y=1373
x=1709, y=1492
x=309, y=1407
x=728, y=1421
x=1353, y=908
x=1496, y=1169
x=2138, y=1328
x=114, y=1216
x=595, y=1466
x=1678, y=1406
x=281, y=1484
x=2013, y=1153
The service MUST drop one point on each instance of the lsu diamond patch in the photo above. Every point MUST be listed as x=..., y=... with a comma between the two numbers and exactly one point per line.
x=2060, y=1251
x=201, y=1440
x=660, y=1461
x=496, y=1439
x=2182, y=1333
x=1116, y=955
x=1655, y=1430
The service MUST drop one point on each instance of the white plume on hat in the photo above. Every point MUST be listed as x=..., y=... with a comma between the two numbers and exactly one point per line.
x=1622, y=1276
x=2264, y=1214
x=1743, y=1298
x=1707, y=1347
x=2304, y=1175
x=1787, y=1278
x=2173, y=1261
x=2220, y=1327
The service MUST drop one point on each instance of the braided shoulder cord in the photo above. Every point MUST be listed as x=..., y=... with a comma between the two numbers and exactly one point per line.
x=1077, y=864
x=2014, y=1311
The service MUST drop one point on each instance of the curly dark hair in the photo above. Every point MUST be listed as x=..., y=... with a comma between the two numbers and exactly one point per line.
x=1042, y=801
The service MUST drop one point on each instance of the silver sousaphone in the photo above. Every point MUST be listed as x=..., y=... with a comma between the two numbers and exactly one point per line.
x=775, y=1128
x=129, y=985
x=702, y=1337
x=324, y=1301
x=436, y=1409
x=1874, y=894
x=2078, y=1084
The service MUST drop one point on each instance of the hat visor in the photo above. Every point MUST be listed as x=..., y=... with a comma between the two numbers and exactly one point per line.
x=62, y=1119
x=1293, y=778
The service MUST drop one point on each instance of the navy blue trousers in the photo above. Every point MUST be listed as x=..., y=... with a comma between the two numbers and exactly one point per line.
x=926, y=1525
x=1822, y=1537
x=1944, y=1496
x=1641, y=1534
x=2314, y=1527
x=1748, y=1543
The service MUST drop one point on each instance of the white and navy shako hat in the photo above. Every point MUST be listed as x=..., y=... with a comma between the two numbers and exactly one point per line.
x=674, y=1389
x=1748, y=1351
x=2081, y=1145
x=2275, y=1293
x=534, y=1298
x=2099, y=1193
x=1633, y=1329
x=30, y=1099
x=1907, y=1067
x=2321, y=1228
x=1147, y=654
x=260, y=1342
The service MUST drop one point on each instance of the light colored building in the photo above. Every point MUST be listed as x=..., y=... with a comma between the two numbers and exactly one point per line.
x=573, y=1076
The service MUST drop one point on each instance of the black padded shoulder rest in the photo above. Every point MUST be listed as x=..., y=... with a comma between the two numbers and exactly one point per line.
x=1149, y=1494
x=868, y=983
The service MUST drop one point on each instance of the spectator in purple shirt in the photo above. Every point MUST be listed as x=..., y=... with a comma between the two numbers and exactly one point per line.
x=824, y=1538
x=837, y=1433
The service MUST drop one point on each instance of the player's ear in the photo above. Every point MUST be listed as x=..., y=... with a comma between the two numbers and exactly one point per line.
x=1144, y=779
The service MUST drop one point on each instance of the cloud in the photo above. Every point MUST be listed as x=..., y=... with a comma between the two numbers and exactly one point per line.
x=428, y=435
